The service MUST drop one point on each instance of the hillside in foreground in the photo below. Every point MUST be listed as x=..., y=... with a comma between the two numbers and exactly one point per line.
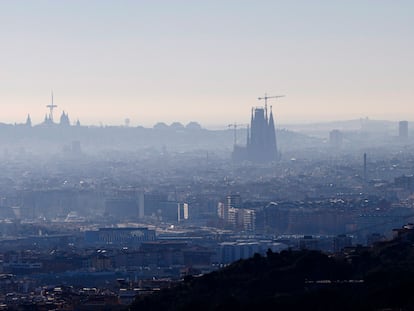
x=378, y=278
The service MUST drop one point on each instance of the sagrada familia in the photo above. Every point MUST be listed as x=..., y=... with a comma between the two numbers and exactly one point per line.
x=261, y=139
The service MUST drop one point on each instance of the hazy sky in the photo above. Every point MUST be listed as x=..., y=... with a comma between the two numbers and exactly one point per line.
x=206, y=61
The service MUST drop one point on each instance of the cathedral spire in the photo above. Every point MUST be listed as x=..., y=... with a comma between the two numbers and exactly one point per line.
x=272, y=137
x=28, y=121
x=248, y=136
x=64, y=119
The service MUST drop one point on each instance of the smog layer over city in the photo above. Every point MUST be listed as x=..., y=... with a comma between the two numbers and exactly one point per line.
x=216, y=155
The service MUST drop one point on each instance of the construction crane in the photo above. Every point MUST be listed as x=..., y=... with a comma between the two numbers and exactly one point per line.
x=268, y=97
x=235, y=126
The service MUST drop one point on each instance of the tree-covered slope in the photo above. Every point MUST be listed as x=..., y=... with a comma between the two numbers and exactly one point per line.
x=362, y=279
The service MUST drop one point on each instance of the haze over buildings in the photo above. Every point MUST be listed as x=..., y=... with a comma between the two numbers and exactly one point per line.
x=118, y=185
x=206, y=61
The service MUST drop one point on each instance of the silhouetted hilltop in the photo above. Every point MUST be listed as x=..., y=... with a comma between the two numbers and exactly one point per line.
x=175, y=138
x=378, y=278
x=321, y=129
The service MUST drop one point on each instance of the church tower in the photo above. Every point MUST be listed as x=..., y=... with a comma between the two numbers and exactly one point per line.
x=261, y=143
x=272, y=137
x=28, y=121
x=64, y=119
x=261, y=146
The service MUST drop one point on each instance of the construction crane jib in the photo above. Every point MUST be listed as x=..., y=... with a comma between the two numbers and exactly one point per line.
x=268, y=97
x=235, y=126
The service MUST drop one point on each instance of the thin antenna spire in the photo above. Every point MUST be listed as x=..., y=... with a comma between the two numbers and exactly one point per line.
x=51, y=107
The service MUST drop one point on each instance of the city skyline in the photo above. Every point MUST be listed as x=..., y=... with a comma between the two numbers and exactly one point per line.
x=207, y=62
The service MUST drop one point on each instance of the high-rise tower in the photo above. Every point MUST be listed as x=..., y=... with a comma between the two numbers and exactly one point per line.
x=403, y=129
